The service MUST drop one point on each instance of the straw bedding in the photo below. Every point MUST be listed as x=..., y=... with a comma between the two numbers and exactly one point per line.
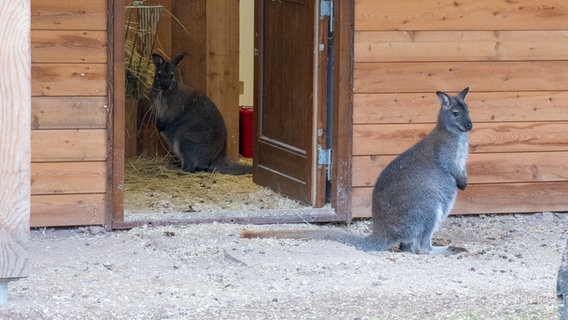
x=157, y=185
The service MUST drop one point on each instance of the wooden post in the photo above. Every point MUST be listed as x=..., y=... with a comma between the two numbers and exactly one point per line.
x=3, y=292
x=15, y=125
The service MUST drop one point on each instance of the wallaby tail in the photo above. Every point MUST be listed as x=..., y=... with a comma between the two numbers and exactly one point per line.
x=229, y=167
x=346, y=237
x=289, y=234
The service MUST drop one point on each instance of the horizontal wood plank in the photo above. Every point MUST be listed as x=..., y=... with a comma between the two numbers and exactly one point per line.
x=454, y=76
x=409, y=46
x=482, y=167
x=69, y=79
x=69, y=145
x=68, y=177
x=69, y=112
x=489, y=199
x=67, y=210
x=461, y=15
x=64, y=46
x=485, y=137
x=69, y=15
x=369, y=108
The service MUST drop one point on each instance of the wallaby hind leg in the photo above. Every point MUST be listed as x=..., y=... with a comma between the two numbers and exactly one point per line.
x=426, y=246
x=188, y=162
x=409, y=247
x=187, y=167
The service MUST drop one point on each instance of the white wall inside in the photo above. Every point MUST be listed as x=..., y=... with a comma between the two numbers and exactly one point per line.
x=246, y=51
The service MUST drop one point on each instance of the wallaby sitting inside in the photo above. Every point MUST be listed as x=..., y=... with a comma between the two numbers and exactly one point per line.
x=190, y=122
x=415, y=192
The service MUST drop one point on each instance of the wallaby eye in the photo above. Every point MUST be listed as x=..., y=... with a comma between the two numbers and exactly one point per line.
x=456, y=113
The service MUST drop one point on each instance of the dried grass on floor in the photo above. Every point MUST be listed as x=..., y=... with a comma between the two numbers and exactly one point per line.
x=157, y=185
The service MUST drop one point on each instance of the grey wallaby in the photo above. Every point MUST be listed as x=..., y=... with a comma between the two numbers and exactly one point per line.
x=190, y=122
x=415, y=192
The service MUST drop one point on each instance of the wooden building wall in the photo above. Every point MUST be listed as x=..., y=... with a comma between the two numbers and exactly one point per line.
x=514, y=57
x=69, y=112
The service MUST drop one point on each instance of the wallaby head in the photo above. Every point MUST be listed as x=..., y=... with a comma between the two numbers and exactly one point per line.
x=165, y=77
x=454, y=113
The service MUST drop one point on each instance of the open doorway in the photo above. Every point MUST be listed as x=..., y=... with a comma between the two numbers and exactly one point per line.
x=153, y=182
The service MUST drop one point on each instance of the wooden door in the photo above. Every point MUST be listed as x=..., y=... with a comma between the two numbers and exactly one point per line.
x=288, y=99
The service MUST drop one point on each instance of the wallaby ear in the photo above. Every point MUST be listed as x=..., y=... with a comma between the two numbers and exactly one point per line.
x=443, y=98
x=158, y=60
x=464, y=92
x=177, y=59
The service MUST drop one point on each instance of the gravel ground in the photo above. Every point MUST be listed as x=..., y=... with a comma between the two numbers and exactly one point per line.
x=207, y=272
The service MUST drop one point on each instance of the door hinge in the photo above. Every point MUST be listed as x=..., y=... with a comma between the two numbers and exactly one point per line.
x=326, y=8
x=324, y=159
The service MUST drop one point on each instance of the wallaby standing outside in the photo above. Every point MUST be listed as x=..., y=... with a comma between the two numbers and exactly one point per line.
x=190, y=122
x=415, y=192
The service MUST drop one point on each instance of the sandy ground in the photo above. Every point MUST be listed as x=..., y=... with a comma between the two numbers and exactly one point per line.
x=207, y=272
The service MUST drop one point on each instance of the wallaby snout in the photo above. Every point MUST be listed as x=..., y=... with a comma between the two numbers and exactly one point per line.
x=468, y=126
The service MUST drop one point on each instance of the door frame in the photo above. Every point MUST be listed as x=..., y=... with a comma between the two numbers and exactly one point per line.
x=343, y=108
x=116, y=114
x=342, y=122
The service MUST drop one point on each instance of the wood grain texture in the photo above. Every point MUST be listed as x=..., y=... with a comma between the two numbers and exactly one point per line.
x=454, y=76
x=114, y=197
x=15, y=106
x=68, y=177
x=222, y=28
x=461, y=15
x=390, y=139
x=510, y=53
x=69, y=15
x=489, y=199
x=376, y=108
x=193, y=45
x=69, y=112
x=69, y=79
x=482, y=167
x=69, y=145
x=343, y=109
x=409, y=46
x=63, y=46
x=68, y=210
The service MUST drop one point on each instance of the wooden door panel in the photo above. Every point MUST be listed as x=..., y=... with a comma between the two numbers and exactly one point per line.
x=288, y=45
x=285, y=108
